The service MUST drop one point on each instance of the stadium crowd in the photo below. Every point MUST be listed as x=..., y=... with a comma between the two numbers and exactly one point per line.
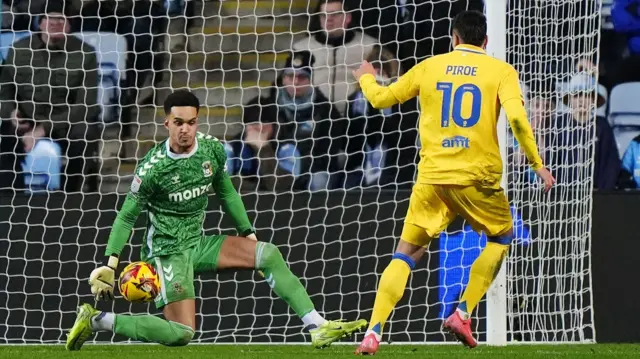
x=311, y=129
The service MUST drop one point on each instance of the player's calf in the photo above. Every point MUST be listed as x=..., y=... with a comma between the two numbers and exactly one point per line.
x=285, y=284
x=483, y=272
x=149, y=328
x=288, y=287
x=181, y=335
x=392, y=286
x=145, y=328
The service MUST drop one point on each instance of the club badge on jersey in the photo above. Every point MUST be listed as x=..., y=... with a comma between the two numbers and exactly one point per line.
x=206, y=168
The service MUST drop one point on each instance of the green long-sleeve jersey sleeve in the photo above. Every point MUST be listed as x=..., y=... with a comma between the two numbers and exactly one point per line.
x=139, y=194
x=232, y=204
x=123, y=226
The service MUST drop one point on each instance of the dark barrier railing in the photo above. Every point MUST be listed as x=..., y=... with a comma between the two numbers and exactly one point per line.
x=338, y=241
x=616, y=246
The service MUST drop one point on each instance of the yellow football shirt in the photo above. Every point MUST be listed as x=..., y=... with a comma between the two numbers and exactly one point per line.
x=460, y=94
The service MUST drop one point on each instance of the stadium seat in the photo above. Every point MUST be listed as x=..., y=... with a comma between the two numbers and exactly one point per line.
x=43, y=167
x=7, y=39
x=624, y=113
x=111, y=53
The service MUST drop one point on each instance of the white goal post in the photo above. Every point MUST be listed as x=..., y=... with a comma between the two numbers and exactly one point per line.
x=496, y=12
x=337, y=241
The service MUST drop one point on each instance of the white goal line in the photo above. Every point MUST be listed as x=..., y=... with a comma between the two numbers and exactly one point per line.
x=515, y=343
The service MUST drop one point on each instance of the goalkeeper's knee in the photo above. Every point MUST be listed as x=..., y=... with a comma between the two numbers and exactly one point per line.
x=182, y=335
x=268, y=256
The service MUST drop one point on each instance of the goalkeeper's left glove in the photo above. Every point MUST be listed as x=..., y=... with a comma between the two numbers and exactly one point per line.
x=102, y=279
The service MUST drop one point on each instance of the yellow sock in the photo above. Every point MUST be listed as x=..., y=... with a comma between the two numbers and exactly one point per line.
x=390, y=290
x=483, y=271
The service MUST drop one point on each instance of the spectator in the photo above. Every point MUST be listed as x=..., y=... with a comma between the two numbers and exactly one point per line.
x=625, y=15
x=294, y=124
x=539, y=40
x=612, y=49
x=15, y=15
x=259, y=160
x=143, y=24
x=386, y=21
x=569, y=149
x=48, y=88
x=337, y=48
x=412, y=29
x=630, y=176
x=371, y=132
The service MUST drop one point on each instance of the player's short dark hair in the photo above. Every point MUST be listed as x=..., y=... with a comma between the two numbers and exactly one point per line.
x=471, y=27
x=181, y=98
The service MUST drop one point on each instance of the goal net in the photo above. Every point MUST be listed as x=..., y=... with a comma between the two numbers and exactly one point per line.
x=337, y=241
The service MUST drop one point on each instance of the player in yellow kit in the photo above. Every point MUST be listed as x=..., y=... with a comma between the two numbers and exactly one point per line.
x=460, y=168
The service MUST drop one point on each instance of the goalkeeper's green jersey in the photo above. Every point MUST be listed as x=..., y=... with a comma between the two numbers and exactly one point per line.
x=174, y=190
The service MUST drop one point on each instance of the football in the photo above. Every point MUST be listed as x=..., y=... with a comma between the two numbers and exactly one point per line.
x=139, y=282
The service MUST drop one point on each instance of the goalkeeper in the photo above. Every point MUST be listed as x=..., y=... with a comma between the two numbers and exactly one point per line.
x=172, y=183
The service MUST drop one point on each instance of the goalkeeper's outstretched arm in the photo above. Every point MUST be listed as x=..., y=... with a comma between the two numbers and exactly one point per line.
x=122, y=227
x=137, y=198
x=102, y=279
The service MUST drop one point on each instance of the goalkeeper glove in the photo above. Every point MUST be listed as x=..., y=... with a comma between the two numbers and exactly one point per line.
x=102, y=279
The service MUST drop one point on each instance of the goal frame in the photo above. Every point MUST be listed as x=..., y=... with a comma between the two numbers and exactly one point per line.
x=497, y=303
x=496, y=13
x=496, y=297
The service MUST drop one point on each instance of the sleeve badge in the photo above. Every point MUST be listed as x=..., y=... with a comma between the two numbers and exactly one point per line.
x=135, y=184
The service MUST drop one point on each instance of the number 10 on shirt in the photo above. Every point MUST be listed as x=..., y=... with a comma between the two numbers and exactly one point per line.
x=455, y=111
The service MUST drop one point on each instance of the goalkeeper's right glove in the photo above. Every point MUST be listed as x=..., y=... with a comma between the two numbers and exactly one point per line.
x=102, y=279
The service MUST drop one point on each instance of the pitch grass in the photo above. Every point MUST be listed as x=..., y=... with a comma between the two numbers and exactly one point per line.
x=306, y=352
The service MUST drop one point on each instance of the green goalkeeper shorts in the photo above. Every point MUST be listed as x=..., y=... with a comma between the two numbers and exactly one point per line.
x=176, y=271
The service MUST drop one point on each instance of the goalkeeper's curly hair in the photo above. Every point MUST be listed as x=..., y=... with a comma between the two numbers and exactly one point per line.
x=181, y=98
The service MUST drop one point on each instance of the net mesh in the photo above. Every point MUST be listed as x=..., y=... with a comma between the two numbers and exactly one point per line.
x=553, y=44
x=337, y=242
